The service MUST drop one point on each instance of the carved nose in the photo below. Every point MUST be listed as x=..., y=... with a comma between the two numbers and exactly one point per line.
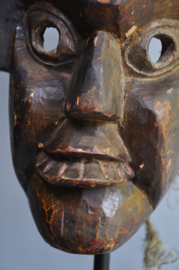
x=97, y=88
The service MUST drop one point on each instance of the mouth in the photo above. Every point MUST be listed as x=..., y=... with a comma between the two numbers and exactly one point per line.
x=84, y=155
x=84, y=172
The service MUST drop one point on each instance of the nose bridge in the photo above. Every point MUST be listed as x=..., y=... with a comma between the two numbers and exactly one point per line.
x=97, y=89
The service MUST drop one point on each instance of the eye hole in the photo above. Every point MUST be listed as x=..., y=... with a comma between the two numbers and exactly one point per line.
x=164, y=49
x=155, y=49
x=153, y=53
x=51, y=39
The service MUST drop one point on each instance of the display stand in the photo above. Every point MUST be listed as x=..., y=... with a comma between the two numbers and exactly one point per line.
x=101, y=262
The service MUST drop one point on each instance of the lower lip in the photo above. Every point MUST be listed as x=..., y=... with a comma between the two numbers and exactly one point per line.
x=82, y=183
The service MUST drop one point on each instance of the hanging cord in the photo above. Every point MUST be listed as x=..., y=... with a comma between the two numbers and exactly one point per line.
x=156, y=253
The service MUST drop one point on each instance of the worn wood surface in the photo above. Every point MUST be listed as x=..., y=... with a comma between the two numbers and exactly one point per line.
x=94, y=123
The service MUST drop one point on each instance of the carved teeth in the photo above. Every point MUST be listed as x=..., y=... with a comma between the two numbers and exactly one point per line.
x=73, y=171
x=127, y=171
x=94, y=171
x=50, y=165
x=62, y=169
x=41, y=159
x=113, y=173
x=120, y=171
x=83, y=172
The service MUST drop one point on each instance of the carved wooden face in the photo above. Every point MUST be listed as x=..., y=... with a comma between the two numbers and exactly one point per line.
x=94, y=123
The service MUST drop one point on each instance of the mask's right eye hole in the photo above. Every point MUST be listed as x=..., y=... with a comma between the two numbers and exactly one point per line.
x=45, y=38
x=51, y=39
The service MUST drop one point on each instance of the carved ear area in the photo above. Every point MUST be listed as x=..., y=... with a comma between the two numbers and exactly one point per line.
x=8, y=19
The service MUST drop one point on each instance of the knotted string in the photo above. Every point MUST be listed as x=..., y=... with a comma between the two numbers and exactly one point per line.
x=156, y=253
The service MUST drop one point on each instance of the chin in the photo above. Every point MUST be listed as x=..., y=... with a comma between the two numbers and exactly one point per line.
x=87, y=220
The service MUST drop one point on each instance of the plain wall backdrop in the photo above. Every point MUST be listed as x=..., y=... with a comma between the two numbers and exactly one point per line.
x=22, y=247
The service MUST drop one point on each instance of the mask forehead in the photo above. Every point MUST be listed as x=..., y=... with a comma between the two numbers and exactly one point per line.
x=117, y=16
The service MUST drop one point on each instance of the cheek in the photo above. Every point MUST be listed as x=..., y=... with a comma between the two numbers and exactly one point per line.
x=151, y=133
x=37, y=100
x=37, y=97
x=32, y=116
x=35, y=110
x=144, y=141
x=167, y=112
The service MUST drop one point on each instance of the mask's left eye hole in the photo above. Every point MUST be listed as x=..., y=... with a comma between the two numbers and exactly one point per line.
x=60, y=37
x=138, y=57
x=166, y=52
x=155, y=50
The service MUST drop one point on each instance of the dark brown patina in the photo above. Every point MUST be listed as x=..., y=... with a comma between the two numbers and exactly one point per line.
x=94, y=122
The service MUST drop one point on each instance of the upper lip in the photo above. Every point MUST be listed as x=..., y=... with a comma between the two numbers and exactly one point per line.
x=87, y=139
x=85, y=155
x=88, y=153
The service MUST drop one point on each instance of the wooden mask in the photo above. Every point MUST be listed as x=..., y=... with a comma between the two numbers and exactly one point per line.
x=94, y=122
